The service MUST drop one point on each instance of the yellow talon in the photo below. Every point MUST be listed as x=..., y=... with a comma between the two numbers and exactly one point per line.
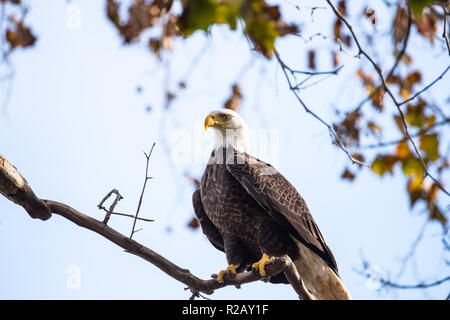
x=231, y=268
x=261, y=264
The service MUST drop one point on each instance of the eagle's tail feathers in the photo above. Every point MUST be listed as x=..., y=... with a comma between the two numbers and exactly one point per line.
x=321, y=281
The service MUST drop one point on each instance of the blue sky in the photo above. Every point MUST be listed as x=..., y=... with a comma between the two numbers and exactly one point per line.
x=76, y=128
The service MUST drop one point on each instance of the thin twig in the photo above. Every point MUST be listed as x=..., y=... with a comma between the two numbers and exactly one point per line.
x=394, y=66
x=336, y=139
x=417, y=134
x=387, y=283
x=425, y=88
x=444, y=33
x=113, y=205
x=131, y=216
x=147, y=156
x=412, y=249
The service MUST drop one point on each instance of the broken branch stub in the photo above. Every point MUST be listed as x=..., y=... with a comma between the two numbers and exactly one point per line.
x=15, y=187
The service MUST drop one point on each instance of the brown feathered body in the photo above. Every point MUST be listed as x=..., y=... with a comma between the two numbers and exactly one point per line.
x=247, y=208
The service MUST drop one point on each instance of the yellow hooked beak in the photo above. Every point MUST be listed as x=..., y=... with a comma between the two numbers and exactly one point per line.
x=211, y=121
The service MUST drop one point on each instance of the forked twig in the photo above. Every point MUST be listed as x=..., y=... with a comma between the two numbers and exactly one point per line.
x=147, y=156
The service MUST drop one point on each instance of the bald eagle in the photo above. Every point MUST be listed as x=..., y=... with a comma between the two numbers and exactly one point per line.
x=247, y=209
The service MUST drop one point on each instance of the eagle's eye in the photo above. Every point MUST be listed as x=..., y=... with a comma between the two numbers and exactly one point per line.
x=226, y=117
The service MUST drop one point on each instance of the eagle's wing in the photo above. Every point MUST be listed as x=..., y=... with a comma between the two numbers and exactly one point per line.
x=281, y=201
x=208, y=227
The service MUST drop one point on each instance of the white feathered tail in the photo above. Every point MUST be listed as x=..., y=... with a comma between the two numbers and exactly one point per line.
x=320, y=280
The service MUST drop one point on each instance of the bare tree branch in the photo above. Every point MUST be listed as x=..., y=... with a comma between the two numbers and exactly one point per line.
x=14, y=187
x=281, y=264
x=336, y=139
x=426, y=88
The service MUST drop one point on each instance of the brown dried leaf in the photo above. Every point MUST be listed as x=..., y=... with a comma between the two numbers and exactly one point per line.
x=335, y=59
x=348, y=175
x=348, y=129
x=20, y=35
x=436, y=214
x=141, y=15
x=312, y=59
x=400, y=25
x=194, y=223
x=378, y=99
x=342, y=7
x=374, y=128
x=427, y=25
x=370, y=14
x=413, y=78
x=234, y=101
x=193, y=180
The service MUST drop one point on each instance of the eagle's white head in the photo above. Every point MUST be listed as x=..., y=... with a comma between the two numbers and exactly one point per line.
x=231, y=130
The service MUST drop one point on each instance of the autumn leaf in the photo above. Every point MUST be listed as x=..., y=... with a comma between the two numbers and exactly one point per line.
x=197, y=15
x=194, y=223
x=20, y=35
x=234, y=101
x=335, y=59
x=399, y=25
x=414, y=189
x=193, y=180
x=348, y=129
x=417, y=6
x=436, y=214
x=412, y=166
x=430, y=144
x=378, y=99
x=414, y=77
x=342, y=7
x=427, y=25
x=263, y=34
x=402, y=150
x=374, y=128
x=415, y=114
x=312, y=59
x=383, y=164
x=348, y=175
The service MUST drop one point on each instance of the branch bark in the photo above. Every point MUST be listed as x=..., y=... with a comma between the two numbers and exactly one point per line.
x=14, y=187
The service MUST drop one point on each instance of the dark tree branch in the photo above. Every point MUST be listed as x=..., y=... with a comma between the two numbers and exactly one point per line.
x=281, y=264
x=14, y=187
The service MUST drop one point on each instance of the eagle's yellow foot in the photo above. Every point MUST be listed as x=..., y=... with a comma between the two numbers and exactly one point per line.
x=261, y=264
x=231, y=269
